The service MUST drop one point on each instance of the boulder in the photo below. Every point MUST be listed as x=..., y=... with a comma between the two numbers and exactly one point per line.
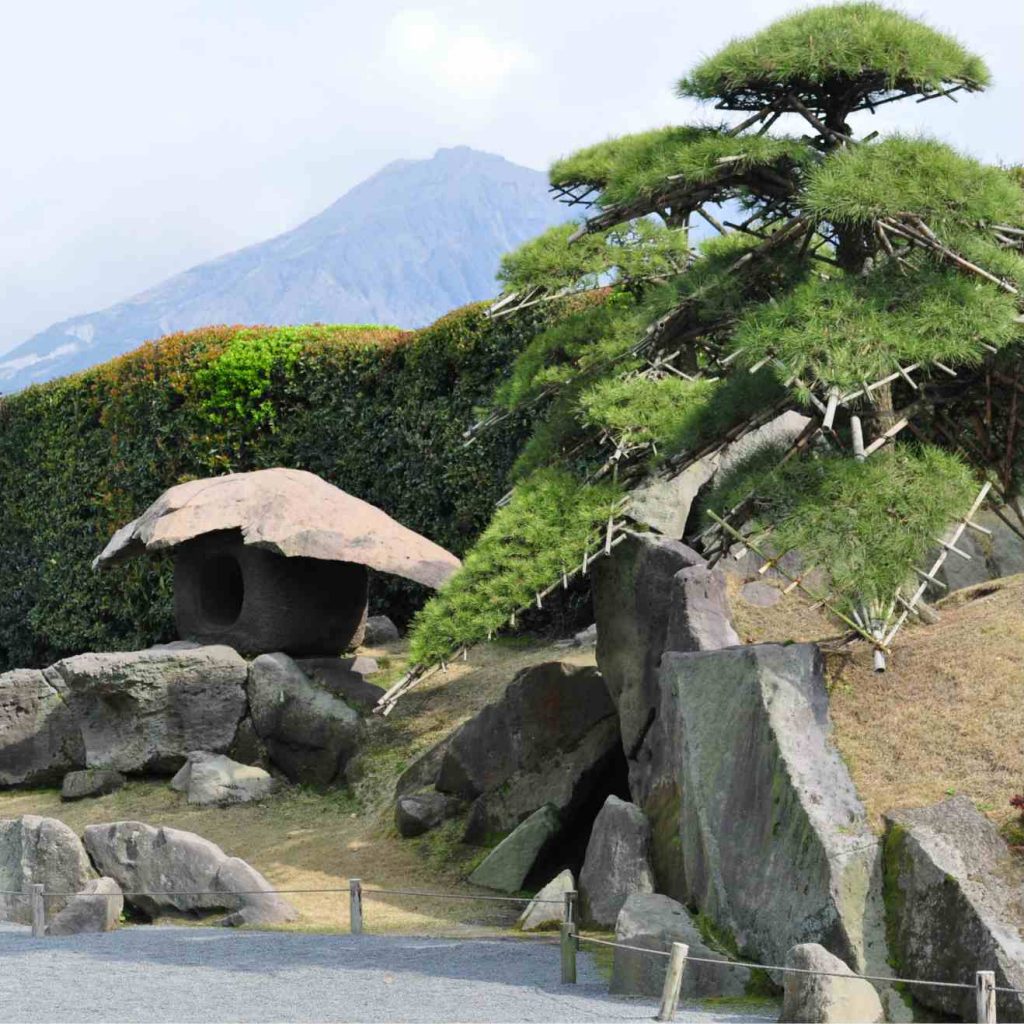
x=632, y=601
x=39, y=738
x=90, y=782
x=547, y=909
x=380, y=630
x=549, y=740
x=823, y=998
x=416, y=813
x=617, y=862
x=757, y=796
x=213, y=779
x=310, y=733
x=97, y=908
x=143, y=711
x=651, y=921
x=699, y=619
x=505, y=868
x=665, y=503
x=423, y=770
x=247, y=747
x=345, y=678
x=953, y=899
x=41, y=851
x=168, y=864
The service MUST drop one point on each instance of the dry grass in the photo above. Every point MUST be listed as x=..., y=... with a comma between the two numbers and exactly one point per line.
x=301, y=839
x=948, y=715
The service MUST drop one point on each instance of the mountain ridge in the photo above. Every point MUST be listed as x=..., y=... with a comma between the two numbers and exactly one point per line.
x=412, y=241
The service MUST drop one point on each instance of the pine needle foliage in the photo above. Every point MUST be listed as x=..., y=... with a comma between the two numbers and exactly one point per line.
x=823, y=47
x=845, y=331
x=856, y=185
x=542, y=532
x=698, y=161
x=596, y=164
x=637, y=410
x=866, y=522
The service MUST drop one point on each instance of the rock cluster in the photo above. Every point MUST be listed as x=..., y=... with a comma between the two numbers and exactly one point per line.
x=93, y=718
x=550, y=739
x=151, y=868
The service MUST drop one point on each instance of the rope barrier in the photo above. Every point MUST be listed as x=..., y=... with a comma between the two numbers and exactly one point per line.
x=798, y=970
x=291, y=892
x=520, y=900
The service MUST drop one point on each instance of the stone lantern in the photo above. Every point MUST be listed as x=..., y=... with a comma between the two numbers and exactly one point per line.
x=275, y=560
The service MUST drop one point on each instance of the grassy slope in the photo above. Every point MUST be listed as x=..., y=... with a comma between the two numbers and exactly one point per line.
x=302, y=839
x=948, y=715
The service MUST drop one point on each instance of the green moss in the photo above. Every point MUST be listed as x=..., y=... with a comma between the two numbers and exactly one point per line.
x=922, y=176
x=867, y=523
x=827, y=47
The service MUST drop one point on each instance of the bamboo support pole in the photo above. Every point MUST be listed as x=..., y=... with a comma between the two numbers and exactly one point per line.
x=673, y=982
x=985, y=997
x=355, y=906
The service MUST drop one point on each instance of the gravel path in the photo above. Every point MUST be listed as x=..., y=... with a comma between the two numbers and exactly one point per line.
x=156, y=974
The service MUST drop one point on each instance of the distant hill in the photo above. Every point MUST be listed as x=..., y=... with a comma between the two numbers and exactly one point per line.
x=418, y=238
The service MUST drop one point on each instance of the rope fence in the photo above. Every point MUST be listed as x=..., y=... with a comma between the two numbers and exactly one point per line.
x=570, y=939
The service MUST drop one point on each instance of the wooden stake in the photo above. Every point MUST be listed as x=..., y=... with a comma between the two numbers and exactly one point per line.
x=985, y=993
x=38, y=912
x=568, y=944
x=673, y=982
x=355, y=906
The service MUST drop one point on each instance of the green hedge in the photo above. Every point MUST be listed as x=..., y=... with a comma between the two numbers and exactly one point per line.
x=377, y=411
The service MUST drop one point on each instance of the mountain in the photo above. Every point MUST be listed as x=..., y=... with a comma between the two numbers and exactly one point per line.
x=418, y=238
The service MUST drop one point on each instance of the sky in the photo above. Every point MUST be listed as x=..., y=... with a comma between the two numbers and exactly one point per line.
x=145, y=137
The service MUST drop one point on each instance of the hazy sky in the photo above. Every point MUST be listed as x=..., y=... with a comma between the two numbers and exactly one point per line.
x=144, y=136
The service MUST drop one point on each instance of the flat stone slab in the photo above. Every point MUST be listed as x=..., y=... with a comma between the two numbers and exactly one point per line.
x=505, y=868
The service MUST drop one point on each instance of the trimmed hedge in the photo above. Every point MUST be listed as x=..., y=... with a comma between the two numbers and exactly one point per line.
x=376, y=411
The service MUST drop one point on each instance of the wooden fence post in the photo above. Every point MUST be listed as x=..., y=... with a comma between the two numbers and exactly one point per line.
x=569, y=914
x=568, y=953
x=673, y=981
x=355, y=906
x=985, y=993
x=38, y=912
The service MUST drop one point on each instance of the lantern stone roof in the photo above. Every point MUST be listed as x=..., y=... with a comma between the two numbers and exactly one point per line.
x=287, y=511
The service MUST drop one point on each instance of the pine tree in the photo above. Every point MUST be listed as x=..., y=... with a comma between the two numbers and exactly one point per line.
x=873, y=284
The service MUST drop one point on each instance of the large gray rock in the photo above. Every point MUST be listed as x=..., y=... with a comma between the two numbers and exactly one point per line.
x=143, y=711
x=310, y=733
x=757, y=796
x=652, y=921
x=40, y=851
x=824, y=998
x=39, y=738
x=97, y=908
x=505, y=868
x=166, y=864
x=632, y=601
x=90, y=782
x=546, y=741
x=546, y=910
x=699, y=618
x=664, y=503
x=953, y=899
x=215, y=780
x=617, y=862
x=416, y=813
